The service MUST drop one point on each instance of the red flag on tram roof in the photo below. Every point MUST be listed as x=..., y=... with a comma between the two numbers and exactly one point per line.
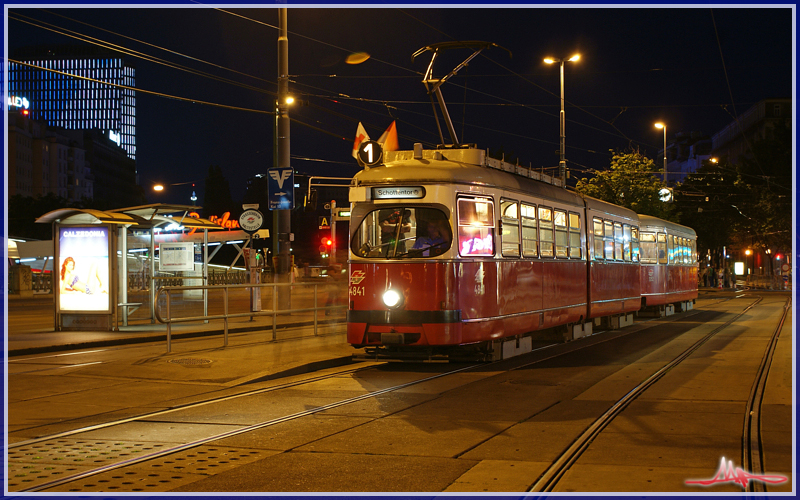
x=361, y=136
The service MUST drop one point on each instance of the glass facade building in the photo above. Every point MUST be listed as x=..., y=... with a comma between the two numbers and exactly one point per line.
x=78, y=88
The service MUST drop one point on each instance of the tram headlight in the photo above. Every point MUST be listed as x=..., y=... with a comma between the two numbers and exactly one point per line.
x=392, y=298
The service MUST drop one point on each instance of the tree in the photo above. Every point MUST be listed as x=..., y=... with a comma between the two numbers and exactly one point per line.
x=709, y=200
x=765, y=179
x=217, y=198
x=630, y=182
x=746, y=205
x=24, y=210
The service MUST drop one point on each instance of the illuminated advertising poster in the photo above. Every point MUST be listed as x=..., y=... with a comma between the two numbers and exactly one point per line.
x=176, y=256
x=83, y=268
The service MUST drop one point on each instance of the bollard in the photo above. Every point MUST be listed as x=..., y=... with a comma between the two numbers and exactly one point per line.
x=169, y=327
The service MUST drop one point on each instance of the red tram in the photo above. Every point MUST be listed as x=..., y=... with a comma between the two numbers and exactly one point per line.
x=450, y=248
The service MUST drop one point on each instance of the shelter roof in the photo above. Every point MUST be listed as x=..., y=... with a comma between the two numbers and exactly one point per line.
x=87, y=216
x=141, y=216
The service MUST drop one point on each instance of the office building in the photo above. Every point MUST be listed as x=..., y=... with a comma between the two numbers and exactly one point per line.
x=77, y=88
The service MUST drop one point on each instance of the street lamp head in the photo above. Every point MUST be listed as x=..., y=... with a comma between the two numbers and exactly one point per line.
x=158, y=187
x=660, y=125
x=552, y=60
x=289, y=100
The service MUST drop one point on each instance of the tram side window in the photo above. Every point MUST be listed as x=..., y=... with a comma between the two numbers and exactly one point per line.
x=546, y=231
x=598, y=238
x=475, y=226
x=662, y=248
x=575, y=248
x=685, y=246
x=562, y=235
x=618, y=241
x=648, y=248
x=635, y=256
x=509, y=239
x=671, y=248
x=529, y=231
x=608, y=239
x=626, y=242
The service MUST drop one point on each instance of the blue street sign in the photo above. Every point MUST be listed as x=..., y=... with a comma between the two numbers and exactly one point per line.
x=280, y=187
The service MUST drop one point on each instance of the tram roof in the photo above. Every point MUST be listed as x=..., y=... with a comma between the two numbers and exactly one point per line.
x=648, y=221
x=468, y=166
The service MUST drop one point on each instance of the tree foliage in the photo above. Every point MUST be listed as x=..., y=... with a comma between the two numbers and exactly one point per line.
x=630, y=182
x=217, y=197
x=24, y=210
x=744, y=205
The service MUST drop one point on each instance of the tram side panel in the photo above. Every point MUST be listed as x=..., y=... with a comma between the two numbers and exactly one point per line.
x=614, y=271
x=669, y=262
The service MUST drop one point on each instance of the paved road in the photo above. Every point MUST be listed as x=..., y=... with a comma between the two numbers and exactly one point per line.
x=484, y=430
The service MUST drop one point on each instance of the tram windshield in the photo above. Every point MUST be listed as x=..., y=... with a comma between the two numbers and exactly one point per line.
x=402, y=232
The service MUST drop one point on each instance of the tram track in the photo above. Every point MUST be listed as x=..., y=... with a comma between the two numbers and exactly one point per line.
x=752, y=448
x=198, y=442
x=155, y=453
x=752, y=445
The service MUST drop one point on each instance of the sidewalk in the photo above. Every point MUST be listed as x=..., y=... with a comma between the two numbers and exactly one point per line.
x=52, y=341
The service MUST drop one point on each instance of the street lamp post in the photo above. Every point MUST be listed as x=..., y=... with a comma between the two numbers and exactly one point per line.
x=282, y=217
x=562, y=164
x=664, y=126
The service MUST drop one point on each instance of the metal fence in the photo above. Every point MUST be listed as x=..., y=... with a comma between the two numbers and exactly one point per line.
x=318, y=291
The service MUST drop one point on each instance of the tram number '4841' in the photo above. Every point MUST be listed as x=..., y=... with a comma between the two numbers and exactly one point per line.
x=357, y=291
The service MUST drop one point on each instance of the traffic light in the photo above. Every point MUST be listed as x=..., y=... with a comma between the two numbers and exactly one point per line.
x=311, y=202
x=327, y=242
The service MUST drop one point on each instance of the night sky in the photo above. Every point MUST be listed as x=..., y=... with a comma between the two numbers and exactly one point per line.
x=692, y=68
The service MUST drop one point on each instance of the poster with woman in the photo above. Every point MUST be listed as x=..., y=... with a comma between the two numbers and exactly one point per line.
x=83, y=272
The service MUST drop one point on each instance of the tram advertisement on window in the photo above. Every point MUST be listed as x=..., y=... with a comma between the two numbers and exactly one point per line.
x=83, y=268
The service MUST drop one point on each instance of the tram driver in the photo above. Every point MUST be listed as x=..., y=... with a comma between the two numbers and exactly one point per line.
x=436, y=239
x=390, y=219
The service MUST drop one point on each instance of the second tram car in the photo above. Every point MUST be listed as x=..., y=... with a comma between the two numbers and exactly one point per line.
x=451, y=249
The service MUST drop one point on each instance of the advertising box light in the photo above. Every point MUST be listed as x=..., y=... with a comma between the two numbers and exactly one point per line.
x=83, y=269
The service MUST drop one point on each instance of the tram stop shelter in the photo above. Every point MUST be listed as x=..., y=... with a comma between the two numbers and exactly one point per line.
x=98, y=253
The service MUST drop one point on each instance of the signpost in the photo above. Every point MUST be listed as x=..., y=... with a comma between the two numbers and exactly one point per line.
x=280, y=188
x=250, y=221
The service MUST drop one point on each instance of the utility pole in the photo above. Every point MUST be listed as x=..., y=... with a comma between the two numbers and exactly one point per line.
x=282, y=217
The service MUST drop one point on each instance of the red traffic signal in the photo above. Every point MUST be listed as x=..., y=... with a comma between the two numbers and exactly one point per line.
x=326, y=241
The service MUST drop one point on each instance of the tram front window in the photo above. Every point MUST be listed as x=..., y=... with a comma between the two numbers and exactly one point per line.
x=402, y=232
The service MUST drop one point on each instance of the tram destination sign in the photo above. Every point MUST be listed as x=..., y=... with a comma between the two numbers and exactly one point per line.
x=398, y=193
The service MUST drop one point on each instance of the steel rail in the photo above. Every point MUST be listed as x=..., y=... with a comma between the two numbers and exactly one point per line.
x=161, y=453
x=242, y=430
x=752, y=446
x=553, y=474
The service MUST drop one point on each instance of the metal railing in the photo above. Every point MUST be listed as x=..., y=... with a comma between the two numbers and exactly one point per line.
x=167, y=291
